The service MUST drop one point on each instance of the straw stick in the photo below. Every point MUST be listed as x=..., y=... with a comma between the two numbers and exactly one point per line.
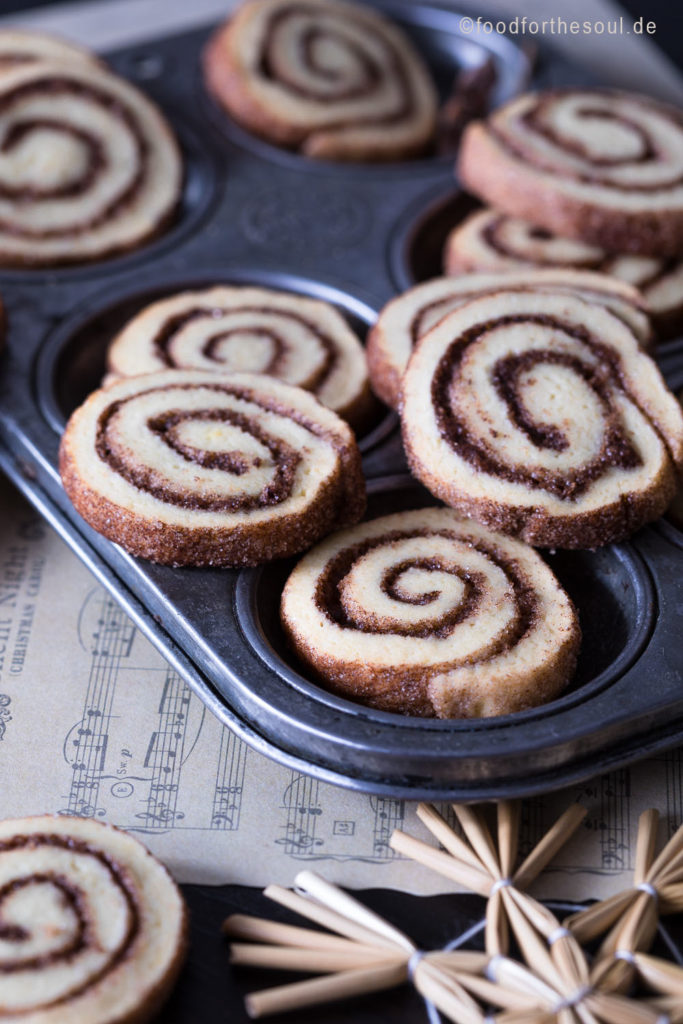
x=439, y=828
x=497, y=995
x=554, y=839
x=309, y=961
x=645, y=844
x=671, y=1008
x=673, y=872
x=508, y=835
x=481, y=841
x=585, y=925
x=497, y=933
x=670, y=898
x=258, y=929
x=534, y=951
x=672, y=850
x=526, y=1017
x=661, y=975
x=637, y=928
x=323, y=990
x=447, y=994
x=514, y=977
x=336, y=899
x=324, y=916
x=614, y=1009
x=440, y=862
x=611, y=974
x=459, y=961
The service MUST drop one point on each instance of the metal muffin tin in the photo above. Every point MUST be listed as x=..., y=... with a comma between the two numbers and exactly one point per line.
x=353, y=235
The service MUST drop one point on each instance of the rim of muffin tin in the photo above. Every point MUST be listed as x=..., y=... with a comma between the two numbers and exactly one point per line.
x=200, y=191
x=512, y=63
x=54, y=352
x=430, y=211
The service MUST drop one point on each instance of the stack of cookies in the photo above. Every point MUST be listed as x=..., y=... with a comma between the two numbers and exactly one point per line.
x=527, y=400
x=582, y=179
x=530, y=408
x=218, y=438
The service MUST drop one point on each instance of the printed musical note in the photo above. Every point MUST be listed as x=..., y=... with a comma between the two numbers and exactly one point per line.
x=229, y=787
x=85, y=747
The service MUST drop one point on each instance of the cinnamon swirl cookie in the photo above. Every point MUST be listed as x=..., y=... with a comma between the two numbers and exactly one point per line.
x=408, y=317
x=256, y=330
x=194, y=468
x=92, y=927
x=17, y=46
x=334, y=80
x=539, y=415
x=88, y=166
x=427, y=613
x=491, y=241
x=602, y=166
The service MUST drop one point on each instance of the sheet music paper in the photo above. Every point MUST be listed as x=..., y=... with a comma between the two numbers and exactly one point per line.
x=94, y=723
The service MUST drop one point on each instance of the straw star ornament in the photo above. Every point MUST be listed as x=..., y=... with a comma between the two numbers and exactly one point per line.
x=555, y=982
x=487, y=867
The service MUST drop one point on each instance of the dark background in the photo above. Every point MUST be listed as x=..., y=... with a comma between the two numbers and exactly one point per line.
x=668, y=14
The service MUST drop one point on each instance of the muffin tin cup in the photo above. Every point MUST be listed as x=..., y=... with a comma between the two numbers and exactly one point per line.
x=257, y=216
x=437, y=35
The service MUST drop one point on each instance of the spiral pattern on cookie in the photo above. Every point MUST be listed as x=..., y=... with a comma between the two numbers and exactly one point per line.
x=254, y=330
x=190, y=468
x=92, y=927
x=490, y=241
x=336, y=80
x=539, y=415
x=602, y=166
x=428, y=613
x=88, y=166
x=407, y=318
